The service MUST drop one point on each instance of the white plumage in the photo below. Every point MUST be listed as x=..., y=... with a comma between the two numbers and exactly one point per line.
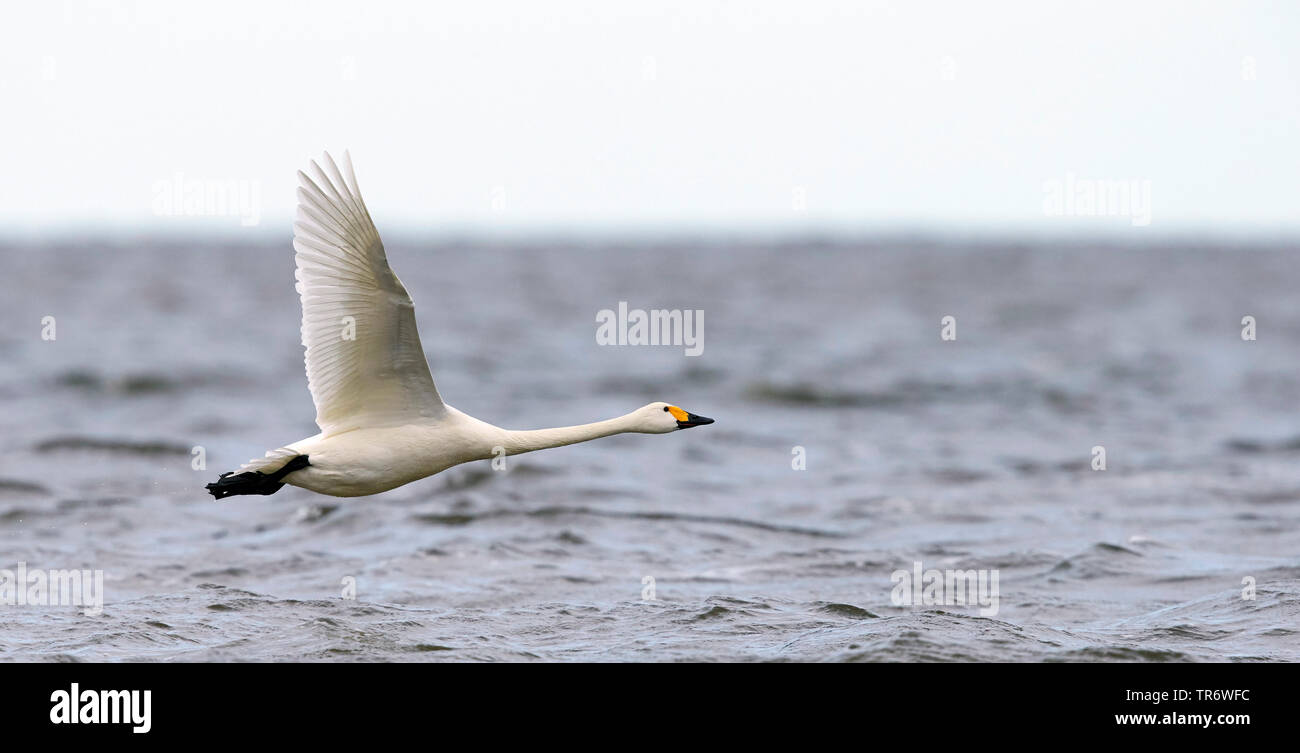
x=347, y=289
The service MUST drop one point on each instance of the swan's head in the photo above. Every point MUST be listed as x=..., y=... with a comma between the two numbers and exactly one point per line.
x=661, y=418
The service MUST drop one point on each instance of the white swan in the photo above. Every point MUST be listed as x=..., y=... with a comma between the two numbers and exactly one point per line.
x=382, y=422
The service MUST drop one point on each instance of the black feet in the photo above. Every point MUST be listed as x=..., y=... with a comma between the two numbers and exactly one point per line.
x=255, y=482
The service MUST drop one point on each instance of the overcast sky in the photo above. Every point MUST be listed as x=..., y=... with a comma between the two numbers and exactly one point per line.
x=662, y=117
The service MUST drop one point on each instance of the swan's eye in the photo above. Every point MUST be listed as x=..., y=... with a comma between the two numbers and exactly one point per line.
x=665, y=409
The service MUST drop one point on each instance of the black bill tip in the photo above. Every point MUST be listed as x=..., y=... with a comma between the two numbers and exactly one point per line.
x=693, y=420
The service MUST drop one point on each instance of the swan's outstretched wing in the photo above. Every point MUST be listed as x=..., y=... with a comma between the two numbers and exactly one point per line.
x=365, y=365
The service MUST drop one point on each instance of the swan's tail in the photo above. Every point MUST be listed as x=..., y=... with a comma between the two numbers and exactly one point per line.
x=255, y=482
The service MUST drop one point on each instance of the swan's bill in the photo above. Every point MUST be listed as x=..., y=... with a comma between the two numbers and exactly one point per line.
x=687, y=420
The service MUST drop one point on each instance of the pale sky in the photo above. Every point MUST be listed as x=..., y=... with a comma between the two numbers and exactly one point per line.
x=664, y=117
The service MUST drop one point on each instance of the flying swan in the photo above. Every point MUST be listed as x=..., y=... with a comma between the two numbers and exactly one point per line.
x=382, y=422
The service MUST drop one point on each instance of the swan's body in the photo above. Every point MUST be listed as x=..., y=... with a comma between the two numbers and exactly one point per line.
x=383, y=423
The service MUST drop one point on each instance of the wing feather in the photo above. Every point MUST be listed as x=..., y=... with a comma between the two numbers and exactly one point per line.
x=379, y=376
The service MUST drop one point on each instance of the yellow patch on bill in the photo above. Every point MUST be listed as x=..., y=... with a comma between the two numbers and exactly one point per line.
x=678, y=413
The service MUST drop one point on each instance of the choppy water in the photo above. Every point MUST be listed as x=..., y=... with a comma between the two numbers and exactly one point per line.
x=971, y=454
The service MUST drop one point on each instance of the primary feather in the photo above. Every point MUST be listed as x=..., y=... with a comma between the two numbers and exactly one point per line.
x=365, y=364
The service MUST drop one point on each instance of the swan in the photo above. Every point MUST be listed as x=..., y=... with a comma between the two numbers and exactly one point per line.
x=382, y=422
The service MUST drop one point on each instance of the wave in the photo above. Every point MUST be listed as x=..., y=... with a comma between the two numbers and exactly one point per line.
x=555, y=511
x=18, y=486
x=126, y=446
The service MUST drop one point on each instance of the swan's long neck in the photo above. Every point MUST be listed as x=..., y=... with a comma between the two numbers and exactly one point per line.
x=540, y=439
